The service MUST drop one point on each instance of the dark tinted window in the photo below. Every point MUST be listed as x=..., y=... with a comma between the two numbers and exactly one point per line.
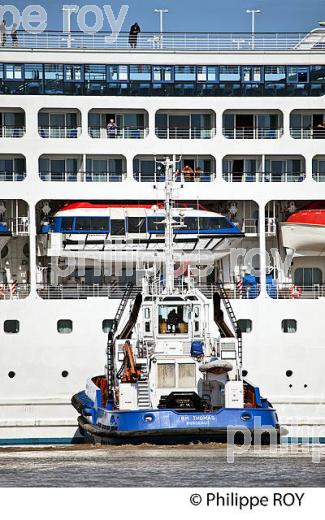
x=214, y=223
x=83, y=223
x=67, y=224
x=11, y=326
x=155, y=224
x=118, y=227
x=99, y=223
x=136, y=225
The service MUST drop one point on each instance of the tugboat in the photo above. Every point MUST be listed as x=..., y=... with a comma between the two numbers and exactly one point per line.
x=173, y=372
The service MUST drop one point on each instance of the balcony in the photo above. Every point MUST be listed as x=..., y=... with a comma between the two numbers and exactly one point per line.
x=263, y=169
x=12, y=168
x=97, y=169
x=12, y=123
x=185, y=125
x=319, y=168
x=307, y=124
x=58, y=124
x=242, y=125
x=197, y=168
x=118, y=124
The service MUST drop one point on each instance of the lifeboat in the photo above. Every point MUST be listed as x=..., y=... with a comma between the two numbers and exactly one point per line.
x=216, y=366
x=304, y=231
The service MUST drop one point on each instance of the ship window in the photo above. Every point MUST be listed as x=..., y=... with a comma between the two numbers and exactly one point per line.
x=13, y=71
x=156, y=224
x=33, y=71
x=229, y=73
x=136, y=225
x=99, y=224
x=11, y=326
x=207, y=73
x=245, y=325
x=186, y=375
x=185, y=73
x=252, y=73
x=173, y=319
x=95, y=72
x=117, y=227
x=53, y=71
x=83, y=223
x=67, y=224
x=140, y=72
x=162, y=73
x=317, y=73
x=73, y=72
x=64, y=326
x=207, y=223
x=275, y=73
x=298, y=74
x=117, y=73
x=107, y=325
x=289, y=326
x=166, y=375
x=308, y=276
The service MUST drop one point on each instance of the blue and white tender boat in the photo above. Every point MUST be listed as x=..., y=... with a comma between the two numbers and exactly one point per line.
x=173, y=370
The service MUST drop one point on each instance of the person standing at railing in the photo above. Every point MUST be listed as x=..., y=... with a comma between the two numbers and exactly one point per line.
x=14, y=36
x=111, y=129
x=133, y=35
x=3, y=35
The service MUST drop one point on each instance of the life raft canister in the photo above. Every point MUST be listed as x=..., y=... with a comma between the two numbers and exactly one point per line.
x=295, y=292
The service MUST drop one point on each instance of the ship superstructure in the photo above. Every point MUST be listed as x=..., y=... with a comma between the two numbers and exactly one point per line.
x=82, y=122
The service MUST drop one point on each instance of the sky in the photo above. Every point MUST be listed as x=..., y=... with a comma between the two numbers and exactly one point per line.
x=196, y=15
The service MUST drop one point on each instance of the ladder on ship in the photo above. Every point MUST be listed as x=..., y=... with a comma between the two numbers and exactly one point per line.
x=232, y=317
x=111, y=337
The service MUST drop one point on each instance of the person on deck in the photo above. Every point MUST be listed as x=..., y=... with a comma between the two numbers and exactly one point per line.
x=133, y=35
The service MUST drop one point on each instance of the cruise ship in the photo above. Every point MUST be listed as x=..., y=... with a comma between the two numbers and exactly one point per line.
x=85, y=125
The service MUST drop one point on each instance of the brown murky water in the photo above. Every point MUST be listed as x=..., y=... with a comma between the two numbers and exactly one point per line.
x=146, y=466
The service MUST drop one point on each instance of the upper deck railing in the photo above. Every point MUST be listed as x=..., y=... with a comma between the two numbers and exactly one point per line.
x=180, y=41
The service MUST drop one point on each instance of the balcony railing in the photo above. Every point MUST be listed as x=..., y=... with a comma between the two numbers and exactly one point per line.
x=189, y=41
x=307, y=133
x=250, y=226
x=201, y=176
x=264, y=177
x=290, y=291
x=12, y=176
x=118, y=133
x=18, y=225
x=59, y=132
x=185, y=133
x=319, y=176
x=246, y=132
x=13, y=291
x=74, y=176
x=12, y=131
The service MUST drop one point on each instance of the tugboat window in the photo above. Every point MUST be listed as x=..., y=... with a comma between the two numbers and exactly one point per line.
x=166, y=375
x=186, y=375
x=173, y=319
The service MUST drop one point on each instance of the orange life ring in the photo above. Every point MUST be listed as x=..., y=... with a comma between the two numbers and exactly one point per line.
x=295, y=291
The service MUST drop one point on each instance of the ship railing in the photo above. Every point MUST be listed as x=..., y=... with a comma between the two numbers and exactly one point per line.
x=189, y=41
x=59, y=132
x=82, y=291
x=12, y=131
x=250, y=226
x=319, y=176
x=202, y=176
x=88, y=176
x=248, y=132
x=257, y=176
x=185, y=133
x=126, y=132
x=14, y=291
x=291, y=291
x=308, y=133
x=10, y=176
x=18, y=225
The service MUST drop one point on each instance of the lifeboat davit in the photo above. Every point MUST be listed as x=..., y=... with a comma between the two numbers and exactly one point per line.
x=304, y=232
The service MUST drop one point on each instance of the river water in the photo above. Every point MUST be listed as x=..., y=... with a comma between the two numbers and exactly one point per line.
x=146, y=466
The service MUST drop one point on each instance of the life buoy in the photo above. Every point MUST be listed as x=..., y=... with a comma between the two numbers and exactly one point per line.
x=295, y=291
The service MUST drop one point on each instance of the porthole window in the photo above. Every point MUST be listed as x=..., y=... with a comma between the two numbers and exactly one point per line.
x=245, y=325
x=289, y=326
x=289, y=373
x=64, y=373
x=11, y=374
x=64, y=326
x=244, y=373
x=11, y=326
x=107, y=325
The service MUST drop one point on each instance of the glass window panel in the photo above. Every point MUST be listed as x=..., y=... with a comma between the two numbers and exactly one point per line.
x=83, y=223
x=95, y=72
x=245, y=325
x=140, y=72
x=186, y=375
x=136, y=225
x=67, y=224
x=13, y=71
x=185, y=73
x=289, y=326
x=99, y=223
x=166, y=375
x=117, y=227
x=229, y=73
x=64, y=326
x=11, y=326
x=107, y=325
x=275, y=73
x=33, y=71
x=317, y=73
